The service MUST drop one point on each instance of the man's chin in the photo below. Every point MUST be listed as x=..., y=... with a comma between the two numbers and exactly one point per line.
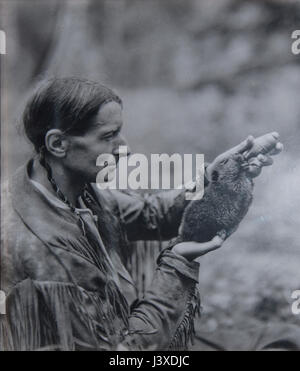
x=108, y=177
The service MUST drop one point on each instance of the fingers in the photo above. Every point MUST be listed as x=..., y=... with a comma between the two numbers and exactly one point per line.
x=245, y=145
x=193, y=250
x=261, y=160
x=214, y=244
x=257, y=163
x=265, y=160
x=275, y=135
x=222, y=234
x=217, y=241
x=278, y=149
x=241, y=148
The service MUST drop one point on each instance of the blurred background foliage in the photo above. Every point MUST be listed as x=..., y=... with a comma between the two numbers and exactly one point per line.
x=195, y=76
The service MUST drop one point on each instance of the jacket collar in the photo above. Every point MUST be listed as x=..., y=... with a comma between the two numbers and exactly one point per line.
x=37, y=212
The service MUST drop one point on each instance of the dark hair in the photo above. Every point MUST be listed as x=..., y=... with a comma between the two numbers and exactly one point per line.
x=67, y=104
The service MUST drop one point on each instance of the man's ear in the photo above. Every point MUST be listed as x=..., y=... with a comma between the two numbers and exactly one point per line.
x=56, y=143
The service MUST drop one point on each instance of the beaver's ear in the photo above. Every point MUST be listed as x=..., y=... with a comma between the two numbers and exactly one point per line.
x=215, y=176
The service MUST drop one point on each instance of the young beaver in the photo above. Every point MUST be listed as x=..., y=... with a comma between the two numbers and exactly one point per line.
x=225, y=203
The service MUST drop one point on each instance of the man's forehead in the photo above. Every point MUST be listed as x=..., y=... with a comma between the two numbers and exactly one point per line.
x=109, y=113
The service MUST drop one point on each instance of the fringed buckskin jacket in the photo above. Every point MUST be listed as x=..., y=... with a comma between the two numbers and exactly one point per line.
x=64, y=275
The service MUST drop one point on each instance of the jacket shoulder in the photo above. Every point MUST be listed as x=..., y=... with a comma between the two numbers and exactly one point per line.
x=17, y=242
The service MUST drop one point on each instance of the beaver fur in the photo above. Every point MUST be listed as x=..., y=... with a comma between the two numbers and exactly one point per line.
x=225, y=202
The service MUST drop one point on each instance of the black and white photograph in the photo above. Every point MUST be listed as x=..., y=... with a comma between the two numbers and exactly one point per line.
x=150, y=177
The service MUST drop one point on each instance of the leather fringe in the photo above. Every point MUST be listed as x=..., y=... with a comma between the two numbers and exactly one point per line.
x=185, y=332
x=51, y=316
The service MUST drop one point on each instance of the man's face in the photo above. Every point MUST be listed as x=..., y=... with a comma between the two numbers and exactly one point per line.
x=103, y=137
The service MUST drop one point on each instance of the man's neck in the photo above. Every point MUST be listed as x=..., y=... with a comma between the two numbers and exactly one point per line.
x=70, y=187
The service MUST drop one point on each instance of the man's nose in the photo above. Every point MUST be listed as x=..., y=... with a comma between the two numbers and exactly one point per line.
x=120, y=152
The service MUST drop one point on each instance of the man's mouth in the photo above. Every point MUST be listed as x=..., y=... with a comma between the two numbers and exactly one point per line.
x=117, y=159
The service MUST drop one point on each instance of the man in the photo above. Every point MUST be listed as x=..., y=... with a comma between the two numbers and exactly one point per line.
x=64, y=240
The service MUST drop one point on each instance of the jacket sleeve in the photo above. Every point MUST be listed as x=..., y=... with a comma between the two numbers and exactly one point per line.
x=151, y=216
x=164, y=318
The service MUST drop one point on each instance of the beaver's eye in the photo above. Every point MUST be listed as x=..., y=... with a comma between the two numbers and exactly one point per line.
x=215, y=176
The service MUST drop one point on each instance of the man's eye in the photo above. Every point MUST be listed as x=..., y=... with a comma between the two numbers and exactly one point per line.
x=110, y=135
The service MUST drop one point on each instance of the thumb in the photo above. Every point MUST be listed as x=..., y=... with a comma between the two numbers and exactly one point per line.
x=246, y=145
